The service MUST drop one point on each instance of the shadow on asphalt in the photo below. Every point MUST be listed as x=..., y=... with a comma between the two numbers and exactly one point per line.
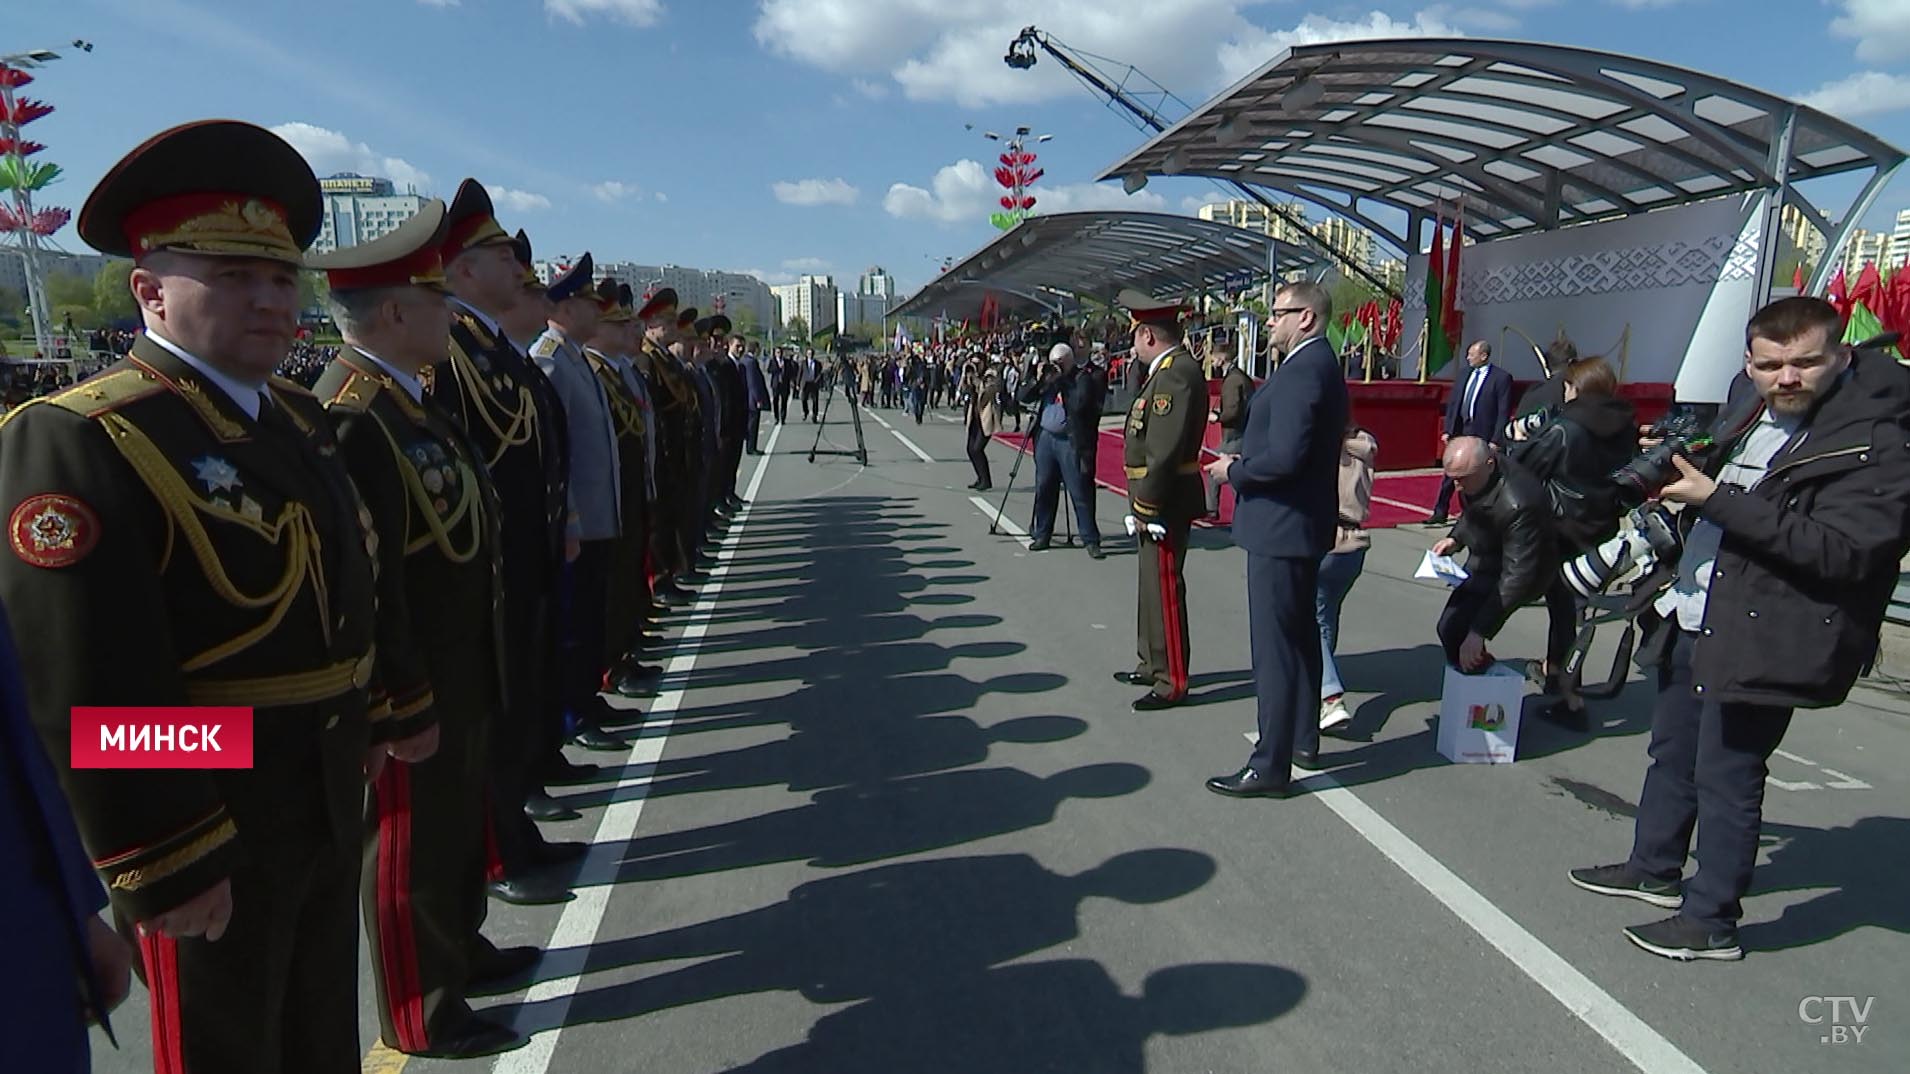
x=1858, y=871
x=883, y=740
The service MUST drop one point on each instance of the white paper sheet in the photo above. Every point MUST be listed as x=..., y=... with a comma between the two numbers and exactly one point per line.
x=1440, y=569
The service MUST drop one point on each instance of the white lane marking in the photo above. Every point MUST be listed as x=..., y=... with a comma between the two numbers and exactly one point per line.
x=1839, y=781
x=1635, y=1039
x=879, y=421
x=1402, y=505
x=1844, y=782
x=1794, y=757
x=1786, y=785
x=1014, y=528
x=584, y=915
x=906, y=442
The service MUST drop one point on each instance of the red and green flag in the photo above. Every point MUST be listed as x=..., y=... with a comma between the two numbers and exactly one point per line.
x=1438, y=343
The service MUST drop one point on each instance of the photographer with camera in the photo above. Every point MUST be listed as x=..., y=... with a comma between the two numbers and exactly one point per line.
x=1573, y=455
x=1797, y=515
x=1052, y=391
x=1507, y=528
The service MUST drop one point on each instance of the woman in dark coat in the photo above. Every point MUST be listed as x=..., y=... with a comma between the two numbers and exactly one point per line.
x=1574, y=454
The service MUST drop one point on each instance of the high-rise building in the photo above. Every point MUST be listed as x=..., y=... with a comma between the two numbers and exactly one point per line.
x=876, y=281
x=699, y=288
x=1900, y=240
x=360, y=208
x=1254, y=217
x=1866, y=248
x=13, y=272
x=813, y=298
x=1351, y=241
x=1392, y=271
x=1803, y=239
x=864, y=313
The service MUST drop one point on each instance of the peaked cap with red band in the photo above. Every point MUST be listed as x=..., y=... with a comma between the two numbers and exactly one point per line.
x=612, y=310
x=660, y=306
x=1148, y=310
x=521, y=246
x=471, y=221
x=407, y=256
x=216, y=187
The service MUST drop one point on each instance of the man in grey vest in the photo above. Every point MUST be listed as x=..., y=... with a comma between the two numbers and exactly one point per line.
x=596, y=507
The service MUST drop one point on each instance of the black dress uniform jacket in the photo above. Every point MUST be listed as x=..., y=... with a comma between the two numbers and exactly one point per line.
x=1165, y=426
x=169, y=550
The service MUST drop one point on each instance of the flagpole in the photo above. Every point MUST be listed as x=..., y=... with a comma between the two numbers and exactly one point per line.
x=1369, y=360
x=1425, y=335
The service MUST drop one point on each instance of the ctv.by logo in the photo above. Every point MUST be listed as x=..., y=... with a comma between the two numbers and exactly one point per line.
x=1845, y=1022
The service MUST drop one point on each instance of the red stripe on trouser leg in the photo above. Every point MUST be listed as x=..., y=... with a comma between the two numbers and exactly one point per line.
x=1171, y=622
x=397, y=948
x=161, y=954
x=493, y=861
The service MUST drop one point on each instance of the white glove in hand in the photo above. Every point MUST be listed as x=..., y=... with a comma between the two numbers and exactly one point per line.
x=1132, y=525
x=1157, y=531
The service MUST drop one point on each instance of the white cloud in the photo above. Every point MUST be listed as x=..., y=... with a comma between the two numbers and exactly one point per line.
x=816, y=192
x=662, y=197
x=517, y=201
x=1490, y=20
x=631, y=12
x=951, y=50
x=874, y=91
x=612, y=191
x=329, y=152
x=1866, y=93
x=1881, y=28
x=959, y=191
x=1641, y=5
x=1089, y=197
x=1249, y=51
x=805, y=264
x=1191, y=205
x=439, y=3
x=774, y=279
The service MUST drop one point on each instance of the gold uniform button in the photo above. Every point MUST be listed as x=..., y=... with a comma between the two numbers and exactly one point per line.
x=331, y=723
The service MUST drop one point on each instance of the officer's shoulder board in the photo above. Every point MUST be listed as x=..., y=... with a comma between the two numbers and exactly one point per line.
x=479, y=334
x=106, y=393
x=356, y=394
x=545, y=347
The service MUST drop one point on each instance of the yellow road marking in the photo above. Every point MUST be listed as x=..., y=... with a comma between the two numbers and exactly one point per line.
x=382, y=1060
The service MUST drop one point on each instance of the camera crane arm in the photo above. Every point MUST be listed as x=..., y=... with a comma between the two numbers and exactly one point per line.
x=1021, y=56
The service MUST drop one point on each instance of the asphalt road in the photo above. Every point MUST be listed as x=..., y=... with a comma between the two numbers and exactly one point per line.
x=891, y=813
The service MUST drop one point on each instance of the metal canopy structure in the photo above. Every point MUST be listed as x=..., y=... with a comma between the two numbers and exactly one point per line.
x=1048, y=261
x=1531, y=136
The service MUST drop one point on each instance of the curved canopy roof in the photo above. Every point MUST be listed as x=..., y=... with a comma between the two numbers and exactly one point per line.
x=1531, y=136
x=1055, y=259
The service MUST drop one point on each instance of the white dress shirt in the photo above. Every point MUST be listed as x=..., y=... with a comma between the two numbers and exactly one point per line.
x=249, y=397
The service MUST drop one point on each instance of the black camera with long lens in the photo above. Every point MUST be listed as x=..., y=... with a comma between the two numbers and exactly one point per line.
x=1680, y=432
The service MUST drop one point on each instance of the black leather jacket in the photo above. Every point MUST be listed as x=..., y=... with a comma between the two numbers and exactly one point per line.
x=1508, y=531
x=1573, y=455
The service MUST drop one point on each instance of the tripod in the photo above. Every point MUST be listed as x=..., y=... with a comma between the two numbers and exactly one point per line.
x=861, y=452
x=1067, y=514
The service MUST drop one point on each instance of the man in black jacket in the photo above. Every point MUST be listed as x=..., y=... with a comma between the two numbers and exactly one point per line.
x=1802, y=513
x=1057, y=402
x=1507, y=528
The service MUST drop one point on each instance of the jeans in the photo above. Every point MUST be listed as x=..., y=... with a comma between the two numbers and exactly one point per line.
x=1708, y=766
x=1056, y=467
x=1338, y=571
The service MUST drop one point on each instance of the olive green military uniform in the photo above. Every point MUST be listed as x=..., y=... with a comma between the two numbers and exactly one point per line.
x=169, y=550
x=1165, y=425
x=440, y=656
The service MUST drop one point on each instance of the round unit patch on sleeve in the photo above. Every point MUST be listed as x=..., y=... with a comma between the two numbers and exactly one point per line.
x=1163, y=404
x=51, y=530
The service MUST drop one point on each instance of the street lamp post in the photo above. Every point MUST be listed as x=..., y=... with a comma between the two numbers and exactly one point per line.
x=39, y=309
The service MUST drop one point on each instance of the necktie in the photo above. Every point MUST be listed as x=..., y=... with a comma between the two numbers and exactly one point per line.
x=1472, y=391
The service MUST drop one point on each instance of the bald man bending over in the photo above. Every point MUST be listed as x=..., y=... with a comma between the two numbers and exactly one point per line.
x=1507, y=528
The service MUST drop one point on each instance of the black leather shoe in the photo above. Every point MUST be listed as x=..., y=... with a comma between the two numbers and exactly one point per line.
x=1133, y=678
x=1153, y=702
x=561, y=852
x=541, y=806
x=592, y=739
x=470, y=1039
x=629, y=685
x=1248, y=783
x=1094, y=552
x=984, y=486
x=524, y=891
x=1038, y=545
x=1307, y=759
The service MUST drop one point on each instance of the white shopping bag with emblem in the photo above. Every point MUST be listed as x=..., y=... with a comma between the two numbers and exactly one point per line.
x=1479, y=715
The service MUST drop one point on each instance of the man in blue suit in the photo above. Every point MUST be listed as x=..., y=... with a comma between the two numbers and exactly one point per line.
x=1480, y=404
x=64, y=965
x=1286, y=484
x=757, y=387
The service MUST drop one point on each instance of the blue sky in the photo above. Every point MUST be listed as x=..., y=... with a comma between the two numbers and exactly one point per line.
x=771, y=135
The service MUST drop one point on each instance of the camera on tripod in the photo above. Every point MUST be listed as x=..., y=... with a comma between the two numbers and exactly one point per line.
x=1680, y=432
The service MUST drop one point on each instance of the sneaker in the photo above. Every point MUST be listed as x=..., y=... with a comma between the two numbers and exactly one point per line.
x=1685, y=940
x=1622, y=880
x=1333, y=714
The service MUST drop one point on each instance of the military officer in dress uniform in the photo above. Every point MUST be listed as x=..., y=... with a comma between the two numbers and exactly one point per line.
x=440, y=640
x=628, y=595
x=596, y=498
x=675, y=404
x=182, y=532
x=1165, y=493
x=503, y=405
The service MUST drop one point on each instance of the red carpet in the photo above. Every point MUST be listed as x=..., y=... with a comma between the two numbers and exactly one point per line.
x=1414, y=491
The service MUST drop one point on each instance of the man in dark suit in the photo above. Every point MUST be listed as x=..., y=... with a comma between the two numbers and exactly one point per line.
x=1479, y=405
x=1286, y=484
x=758, y=388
